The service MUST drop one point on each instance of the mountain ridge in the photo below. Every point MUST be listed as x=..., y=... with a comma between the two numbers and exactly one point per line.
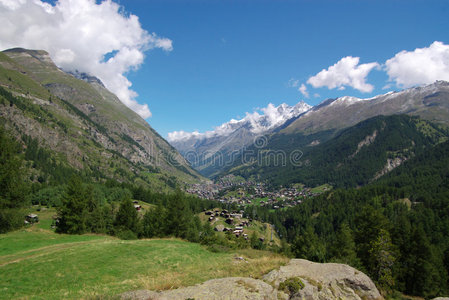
x=85, y=122
x=209, y=153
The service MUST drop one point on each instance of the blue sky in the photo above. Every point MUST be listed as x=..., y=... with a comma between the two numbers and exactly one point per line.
x=230, y=57
x=213, y=60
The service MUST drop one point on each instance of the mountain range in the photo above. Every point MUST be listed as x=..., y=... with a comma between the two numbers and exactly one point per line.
x=82, y=126
x=208, y=152
x=300, y=127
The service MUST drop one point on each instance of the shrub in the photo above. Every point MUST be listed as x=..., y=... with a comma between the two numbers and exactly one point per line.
x=292, y=285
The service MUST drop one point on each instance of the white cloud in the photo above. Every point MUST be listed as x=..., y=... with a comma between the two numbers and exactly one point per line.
x=293, y=82
x=78, y=34
x=421, y=66
x=181, y=135
x=303, y=90
x=346, y=72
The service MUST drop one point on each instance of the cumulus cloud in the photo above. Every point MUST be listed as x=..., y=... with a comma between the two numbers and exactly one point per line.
x=303, y=90
x=421, y=66
x=80, y=35
x=346, y=72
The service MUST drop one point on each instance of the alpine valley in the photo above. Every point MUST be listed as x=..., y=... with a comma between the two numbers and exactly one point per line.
x=94, y=203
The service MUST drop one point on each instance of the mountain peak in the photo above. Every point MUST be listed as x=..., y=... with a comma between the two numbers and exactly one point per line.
x=256, y=122
x=41, y=55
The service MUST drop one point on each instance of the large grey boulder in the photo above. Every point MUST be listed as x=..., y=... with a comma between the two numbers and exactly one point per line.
x=321, y=282
x=325, y=281
x=216, y=289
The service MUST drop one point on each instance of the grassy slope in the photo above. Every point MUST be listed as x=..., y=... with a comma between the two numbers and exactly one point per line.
x=37, y=263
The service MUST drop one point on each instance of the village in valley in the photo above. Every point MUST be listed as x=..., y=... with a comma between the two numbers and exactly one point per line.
x=235, y=190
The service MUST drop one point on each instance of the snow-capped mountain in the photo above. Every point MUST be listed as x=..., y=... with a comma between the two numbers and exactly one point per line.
x=255, y=122
x=200, y=148
x=211, y=151
x=430, y=102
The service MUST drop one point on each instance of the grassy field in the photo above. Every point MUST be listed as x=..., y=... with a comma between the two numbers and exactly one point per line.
x=321, y=189
x=37, y=263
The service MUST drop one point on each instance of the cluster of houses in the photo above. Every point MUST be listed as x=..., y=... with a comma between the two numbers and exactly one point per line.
x=233, y=219
x=250, y=193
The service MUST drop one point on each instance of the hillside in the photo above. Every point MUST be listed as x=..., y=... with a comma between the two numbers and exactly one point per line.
x=352, y=157
x=81, y=125
x=395, y=229
x=84, y=266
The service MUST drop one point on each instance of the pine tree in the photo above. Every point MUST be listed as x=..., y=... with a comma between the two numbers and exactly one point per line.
x=383, y=253
x=73, y=214
x=308, y=246
x=178, y=215
x=343, y=249
x=127, y=217
x=12, y=186
x=153, y=223
x=422, y=277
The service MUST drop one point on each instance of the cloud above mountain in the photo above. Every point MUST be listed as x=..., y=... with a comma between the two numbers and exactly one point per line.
x=99, y=39
x=421, y=66
x=406, y=69
x=346, y=72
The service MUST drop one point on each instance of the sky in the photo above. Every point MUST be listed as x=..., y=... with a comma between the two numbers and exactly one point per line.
x=193, y=65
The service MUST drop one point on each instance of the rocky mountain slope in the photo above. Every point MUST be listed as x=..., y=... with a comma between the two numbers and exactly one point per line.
x=321, y=281
x=430, y=102
x=209, y=152
x=83, y=125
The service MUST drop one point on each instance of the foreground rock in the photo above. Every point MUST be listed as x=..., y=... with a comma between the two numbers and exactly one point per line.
x=321, y=281
x=325, y=281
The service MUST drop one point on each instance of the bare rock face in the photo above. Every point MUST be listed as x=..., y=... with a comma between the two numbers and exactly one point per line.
x=215, y=289
x=325, y=281
x=321, y=281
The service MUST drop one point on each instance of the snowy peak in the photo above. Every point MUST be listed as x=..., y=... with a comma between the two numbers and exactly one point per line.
x=258, y=122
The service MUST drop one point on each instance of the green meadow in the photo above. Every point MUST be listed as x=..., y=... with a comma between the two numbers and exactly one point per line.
x=36, y=263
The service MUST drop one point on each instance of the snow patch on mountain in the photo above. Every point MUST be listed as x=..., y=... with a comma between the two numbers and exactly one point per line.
x=257, y=122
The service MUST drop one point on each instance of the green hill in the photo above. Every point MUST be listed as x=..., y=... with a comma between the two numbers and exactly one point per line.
x=38, y=263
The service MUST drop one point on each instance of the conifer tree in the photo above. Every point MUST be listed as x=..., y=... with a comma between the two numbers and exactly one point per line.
x=12, y=187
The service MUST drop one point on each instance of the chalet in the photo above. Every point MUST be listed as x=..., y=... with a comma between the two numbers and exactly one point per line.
x=237, y=232
x=31, y=218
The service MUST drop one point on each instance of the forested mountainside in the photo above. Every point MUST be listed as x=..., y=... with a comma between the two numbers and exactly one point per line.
x=396, y=228
x=348, y=158
x=66, y=124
